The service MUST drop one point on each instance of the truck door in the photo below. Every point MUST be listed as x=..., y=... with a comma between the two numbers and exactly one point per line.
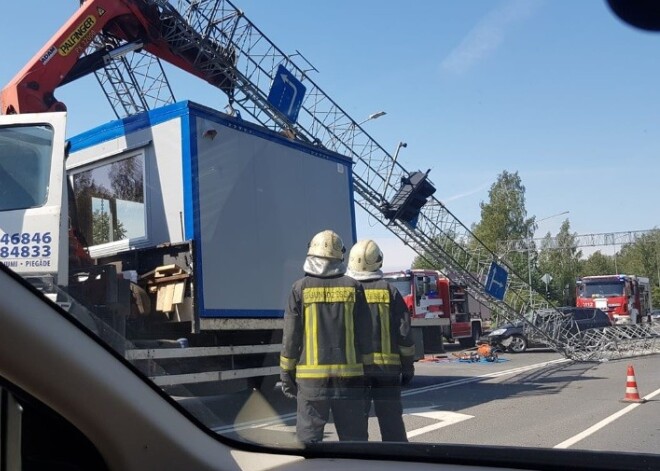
x=33, y=200
x=428, y=301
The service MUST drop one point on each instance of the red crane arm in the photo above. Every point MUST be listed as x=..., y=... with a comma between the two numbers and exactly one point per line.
x=59, y=62
x=32, y=89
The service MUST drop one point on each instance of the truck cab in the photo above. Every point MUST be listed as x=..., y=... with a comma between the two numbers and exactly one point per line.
x=33, y=198
x=435, y=300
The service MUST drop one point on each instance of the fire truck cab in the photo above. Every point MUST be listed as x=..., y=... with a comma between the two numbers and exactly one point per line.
x=625, y=298
x=440, y=309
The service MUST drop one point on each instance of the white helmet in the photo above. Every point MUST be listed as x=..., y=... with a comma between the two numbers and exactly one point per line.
x=365, y=256
x=327, y=244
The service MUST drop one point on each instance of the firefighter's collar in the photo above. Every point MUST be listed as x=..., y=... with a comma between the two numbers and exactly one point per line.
x=323, y=267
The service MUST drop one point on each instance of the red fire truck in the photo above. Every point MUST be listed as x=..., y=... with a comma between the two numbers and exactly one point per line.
x=625, y=298
x=440, y=309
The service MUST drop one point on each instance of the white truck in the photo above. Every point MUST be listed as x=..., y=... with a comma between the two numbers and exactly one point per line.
x=197, y=224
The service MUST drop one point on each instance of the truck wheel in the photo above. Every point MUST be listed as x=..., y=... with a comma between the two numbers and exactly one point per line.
x=518, y=344
x=471, y=341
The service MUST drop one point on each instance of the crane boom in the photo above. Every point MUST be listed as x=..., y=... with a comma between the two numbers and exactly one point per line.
x=133, y=25
x=212, y=39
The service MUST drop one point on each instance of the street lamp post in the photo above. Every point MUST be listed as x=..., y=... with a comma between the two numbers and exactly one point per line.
x=375, y=115
x=529, y=249
x=350, y=131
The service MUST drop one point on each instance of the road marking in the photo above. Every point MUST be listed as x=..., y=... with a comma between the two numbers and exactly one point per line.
x=444, y=419
x=279, y=421
x=473, y=379
x=608, y=420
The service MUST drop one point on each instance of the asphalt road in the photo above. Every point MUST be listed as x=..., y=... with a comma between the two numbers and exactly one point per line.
x=538, y=399
x=533, y=399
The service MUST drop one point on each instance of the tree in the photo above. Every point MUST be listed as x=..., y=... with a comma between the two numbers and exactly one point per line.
x=447, y=242
x=101, y=228
x=597, y=264
x=504, y=217
x=562, y=263
x=641, y=257
x=127, y=180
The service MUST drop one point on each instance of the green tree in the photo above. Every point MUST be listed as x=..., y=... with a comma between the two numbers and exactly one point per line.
x=597, y=264
x=101, y=228
x=504, y=217
x=641, y=257
x=447, y=244
x=561, y=260
x=127, y=179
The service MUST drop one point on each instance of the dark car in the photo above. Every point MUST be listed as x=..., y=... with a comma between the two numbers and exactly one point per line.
x=518, y=336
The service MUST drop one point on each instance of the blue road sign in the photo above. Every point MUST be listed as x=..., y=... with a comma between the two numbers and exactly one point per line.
x=286, y=93
x=496, y=281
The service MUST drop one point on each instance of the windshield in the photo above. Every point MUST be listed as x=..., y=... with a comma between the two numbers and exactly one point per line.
x=404, y=286
x=597, y=289
x=25, y=154
x=228, y=239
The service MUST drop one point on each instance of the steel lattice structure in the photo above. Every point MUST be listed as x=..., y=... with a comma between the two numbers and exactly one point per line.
x=132, y=83
x=228, y=46
x=582, y=240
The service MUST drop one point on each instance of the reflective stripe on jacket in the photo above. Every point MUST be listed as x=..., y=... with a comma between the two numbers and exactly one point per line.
x=327, y=335
x=391, y=335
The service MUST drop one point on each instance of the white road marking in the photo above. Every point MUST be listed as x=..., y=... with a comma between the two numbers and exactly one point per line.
x=444, y=419
x=280, y=421
x=608, y=420
x=473, y=379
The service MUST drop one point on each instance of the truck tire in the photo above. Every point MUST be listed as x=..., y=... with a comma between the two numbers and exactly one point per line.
x=471, y=341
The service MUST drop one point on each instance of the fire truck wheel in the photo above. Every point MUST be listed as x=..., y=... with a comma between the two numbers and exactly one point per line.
x=471, y=341
x=518, y=344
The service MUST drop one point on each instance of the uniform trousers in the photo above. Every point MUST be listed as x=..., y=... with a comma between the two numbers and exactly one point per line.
x=348, y=416
x=385, y=392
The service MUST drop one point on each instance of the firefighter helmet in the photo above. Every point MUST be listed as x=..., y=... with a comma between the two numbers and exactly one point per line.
x=365, y=256
x=327, y=244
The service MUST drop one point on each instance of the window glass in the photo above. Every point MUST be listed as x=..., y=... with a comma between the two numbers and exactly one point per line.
x=110, y=201
x=604, y=288
x=404, y=286
x=25, y=156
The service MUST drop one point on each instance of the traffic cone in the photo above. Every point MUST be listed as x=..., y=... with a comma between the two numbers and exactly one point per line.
x=632, y=395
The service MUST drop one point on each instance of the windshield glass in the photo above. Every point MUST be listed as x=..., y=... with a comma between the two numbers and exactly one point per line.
x=404, y=286
x=602, y=289
x=231, y=244
x=25, y=154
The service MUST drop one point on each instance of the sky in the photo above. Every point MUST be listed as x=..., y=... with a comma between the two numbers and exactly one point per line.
x=561, y=92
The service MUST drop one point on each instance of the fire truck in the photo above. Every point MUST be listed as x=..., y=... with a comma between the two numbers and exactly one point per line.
x=441, y=309
x=625, y=298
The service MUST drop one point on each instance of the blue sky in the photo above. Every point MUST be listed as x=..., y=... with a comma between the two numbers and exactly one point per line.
x=560, y=91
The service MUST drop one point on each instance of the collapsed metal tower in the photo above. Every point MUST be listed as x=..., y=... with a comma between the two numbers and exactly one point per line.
x=228, y=45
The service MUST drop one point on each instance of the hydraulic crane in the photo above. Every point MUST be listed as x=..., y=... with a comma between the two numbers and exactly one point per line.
x=214, y=40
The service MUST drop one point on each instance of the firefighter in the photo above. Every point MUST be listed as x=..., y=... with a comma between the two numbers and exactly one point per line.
x=391, y=337
x=326, y=344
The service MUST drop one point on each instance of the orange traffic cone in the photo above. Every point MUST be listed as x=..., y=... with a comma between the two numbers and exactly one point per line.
x=632, y=395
